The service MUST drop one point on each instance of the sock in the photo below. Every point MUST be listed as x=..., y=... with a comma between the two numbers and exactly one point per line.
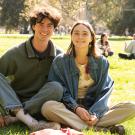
x=26, y=118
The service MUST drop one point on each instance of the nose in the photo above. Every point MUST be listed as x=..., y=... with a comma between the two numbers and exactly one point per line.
x=44, y=28
x=80, y=36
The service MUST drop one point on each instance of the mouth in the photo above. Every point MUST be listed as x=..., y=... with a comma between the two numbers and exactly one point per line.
x=44, y=34
x=80, y=41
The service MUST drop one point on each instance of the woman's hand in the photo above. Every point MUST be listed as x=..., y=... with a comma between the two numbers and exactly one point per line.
x=82, y=113
x=2, y=121
x=91, y=120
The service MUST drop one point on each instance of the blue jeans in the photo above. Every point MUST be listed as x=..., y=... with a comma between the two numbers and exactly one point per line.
x=9, y=99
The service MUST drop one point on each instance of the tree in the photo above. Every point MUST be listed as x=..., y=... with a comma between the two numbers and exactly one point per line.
x=10, y=13
x=127, y=19
x=104, y=11
x=68, y=8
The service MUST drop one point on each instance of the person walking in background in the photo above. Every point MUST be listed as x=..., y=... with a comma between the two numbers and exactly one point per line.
x=104, y=45
x=27, y=66
x=130, y=49
x=83, y=74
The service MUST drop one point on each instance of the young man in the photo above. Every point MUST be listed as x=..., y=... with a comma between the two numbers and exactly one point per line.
x=130, y=49
x=27, y=66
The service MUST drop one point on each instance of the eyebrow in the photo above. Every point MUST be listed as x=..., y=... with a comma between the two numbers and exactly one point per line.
x=79, y=31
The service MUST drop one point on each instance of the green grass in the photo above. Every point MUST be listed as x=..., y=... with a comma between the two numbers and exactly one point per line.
x=122, y=72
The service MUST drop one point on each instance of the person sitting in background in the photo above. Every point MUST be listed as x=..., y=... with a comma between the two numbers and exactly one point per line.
x=104, y=45
x=130, y=49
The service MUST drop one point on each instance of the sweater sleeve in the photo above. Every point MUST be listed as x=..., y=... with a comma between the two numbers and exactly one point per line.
x=7, y=63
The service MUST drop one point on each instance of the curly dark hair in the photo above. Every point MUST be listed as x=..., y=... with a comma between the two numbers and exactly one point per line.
x=45, y=11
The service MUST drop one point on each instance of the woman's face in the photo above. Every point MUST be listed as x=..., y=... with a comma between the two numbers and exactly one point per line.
x=81, y=36
x=105, y=38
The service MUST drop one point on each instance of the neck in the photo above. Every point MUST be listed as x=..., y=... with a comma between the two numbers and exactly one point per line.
x=40, y=46
x=81, y=56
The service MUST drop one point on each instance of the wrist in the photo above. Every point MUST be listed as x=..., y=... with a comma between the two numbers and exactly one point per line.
x=76, y=108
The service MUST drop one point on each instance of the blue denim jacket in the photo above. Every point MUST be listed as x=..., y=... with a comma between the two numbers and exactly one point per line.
x=65, y=71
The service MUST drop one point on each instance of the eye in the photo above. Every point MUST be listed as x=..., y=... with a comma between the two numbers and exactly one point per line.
x=50, y=25
x=76, y=33
x=85, y=34
x=41, y=24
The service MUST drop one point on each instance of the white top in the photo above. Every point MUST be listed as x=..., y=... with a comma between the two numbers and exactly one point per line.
x=130, y=48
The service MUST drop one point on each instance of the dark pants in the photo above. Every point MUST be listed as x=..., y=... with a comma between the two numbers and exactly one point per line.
x=125, y=56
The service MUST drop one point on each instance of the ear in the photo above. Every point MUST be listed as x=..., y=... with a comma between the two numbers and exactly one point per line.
x=33, y=27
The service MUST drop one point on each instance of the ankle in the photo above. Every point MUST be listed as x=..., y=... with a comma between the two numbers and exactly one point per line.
x=14, y=111
x=26, y=118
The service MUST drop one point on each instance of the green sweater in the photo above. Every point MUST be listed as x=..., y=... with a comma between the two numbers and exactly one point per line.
x=27, y=71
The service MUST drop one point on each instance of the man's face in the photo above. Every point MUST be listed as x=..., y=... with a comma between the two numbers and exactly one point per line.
x=43, y=30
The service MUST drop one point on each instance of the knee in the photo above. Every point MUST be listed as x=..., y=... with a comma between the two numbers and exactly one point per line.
x=130, y=105
x=48, y=108
x=56, y=88
x=110, y=53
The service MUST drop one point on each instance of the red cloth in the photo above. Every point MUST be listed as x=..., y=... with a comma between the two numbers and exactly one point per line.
x=64, y=131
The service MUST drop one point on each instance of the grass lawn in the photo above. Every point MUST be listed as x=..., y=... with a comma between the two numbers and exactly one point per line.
x=122, y=72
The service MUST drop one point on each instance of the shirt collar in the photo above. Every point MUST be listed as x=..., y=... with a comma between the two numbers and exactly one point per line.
x=31, y=53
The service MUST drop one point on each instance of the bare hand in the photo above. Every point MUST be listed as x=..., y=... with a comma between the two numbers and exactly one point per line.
x=92, y=121
x=83, y=113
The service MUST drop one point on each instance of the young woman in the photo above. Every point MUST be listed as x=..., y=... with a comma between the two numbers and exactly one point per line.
x=83, y=74
x=104, y=45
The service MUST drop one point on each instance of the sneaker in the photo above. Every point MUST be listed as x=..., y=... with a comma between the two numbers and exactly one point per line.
x=119, y=129
x=45, y=125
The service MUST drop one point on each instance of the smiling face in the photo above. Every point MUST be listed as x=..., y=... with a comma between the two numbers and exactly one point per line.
x=81, y=36
x=43, y=30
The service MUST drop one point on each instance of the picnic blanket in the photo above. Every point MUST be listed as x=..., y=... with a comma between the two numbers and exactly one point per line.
x=63, y=131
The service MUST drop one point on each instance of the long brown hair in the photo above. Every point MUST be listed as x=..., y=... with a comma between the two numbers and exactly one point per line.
x=92, y=47
x=102, y=36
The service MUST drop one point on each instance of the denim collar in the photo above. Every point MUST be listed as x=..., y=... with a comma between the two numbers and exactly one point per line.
x=92, y=63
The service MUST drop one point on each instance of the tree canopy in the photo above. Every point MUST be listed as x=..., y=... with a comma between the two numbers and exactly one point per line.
x=10, y=13
x=117, y=15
